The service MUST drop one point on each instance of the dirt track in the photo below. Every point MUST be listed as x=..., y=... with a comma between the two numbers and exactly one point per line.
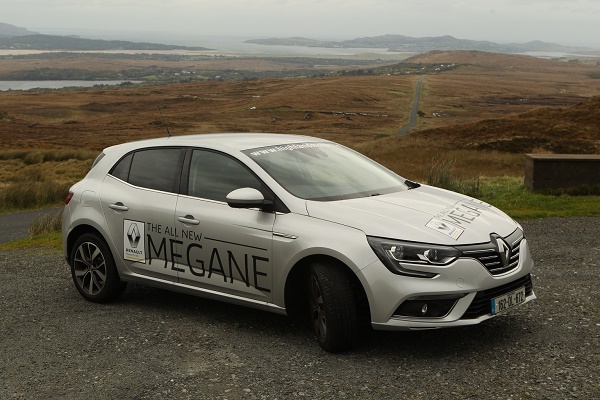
x=158, y=345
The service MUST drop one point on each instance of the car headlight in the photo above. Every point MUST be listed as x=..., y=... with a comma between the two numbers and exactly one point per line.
x=399, y=256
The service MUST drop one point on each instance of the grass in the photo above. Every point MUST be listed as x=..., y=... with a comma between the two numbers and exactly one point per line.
x=33, y=179
x=51, y=241
x=30, y=157
x=511, y=196
x=507, y=193
x=483, y=90
x=31, y=195
x=413, y=156
x=441, y=174
x=46, y=223
x=44, y=232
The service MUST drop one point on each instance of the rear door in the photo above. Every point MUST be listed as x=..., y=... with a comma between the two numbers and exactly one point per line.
x=138, y=200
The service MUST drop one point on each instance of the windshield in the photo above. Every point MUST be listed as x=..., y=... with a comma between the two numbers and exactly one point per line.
x=325, y=171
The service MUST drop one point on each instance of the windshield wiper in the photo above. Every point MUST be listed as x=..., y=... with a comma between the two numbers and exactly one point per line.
x=411, y=184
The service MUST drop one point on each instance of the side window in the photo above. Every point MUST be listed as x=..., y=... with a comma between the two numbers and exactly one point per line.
x=154, y=168
x=121, y=170
x=213, y=176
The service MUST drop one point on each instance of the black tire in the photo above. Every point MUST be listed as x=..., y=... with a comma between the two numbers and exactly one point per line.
x=93, y=270
x=333, y=310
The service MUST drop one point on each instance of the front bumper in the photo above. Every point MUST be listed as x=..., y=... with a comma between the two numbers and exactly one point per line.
x=467, y=283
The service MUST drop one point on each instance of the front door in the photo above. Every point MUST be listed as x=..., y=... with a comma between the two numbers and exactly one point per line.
x=223, y=249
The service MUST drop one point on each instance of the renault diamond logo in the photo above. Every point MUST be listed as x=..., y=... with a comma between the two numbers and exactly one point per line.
x=133, y=234
x=502, y=248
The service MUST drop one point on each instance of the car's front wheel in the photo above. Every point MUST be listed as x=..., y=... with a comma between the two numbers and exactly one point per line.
x=333, y=309
x=93, y=270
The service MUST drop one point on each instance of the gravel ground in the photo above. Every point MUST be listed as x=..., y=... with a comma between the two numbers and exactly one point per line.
x=159, y=345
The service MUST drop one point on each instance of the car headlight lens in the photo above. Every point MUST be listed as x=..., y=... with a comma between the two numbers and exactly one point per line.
x=399, y=256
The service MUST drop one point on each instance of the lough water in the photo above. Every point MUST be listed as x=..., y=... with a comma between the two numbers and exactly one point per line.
x=26, y=85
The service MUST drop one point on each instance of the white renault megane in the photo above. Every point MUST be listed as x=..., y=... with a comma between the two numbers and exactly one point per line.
x=296, y=225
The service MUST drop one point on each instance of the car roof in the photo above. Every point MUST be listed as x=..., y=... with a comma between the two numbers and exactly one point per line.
x=218, y=141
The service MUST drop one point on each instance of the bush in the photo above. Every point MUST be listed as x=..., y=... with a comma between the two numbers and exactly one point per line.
x=46, y=223
x=32, y=194
x=31, y=157
x=442, y=174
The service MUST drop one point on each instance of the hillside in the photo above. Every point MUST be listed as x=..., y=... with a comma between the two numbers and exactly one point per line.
x=401, y=43
x=489, y=60
x=52, y=42
x=475, y=113
x=11, y=30
x=575, y=129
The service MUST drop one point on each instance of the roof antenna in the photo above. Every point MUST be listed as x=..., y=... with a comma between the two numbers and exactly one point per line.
x=164, y=122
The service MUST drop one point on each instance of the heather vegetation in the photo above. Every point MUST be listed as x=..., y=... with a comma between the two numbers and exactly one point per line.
x=32, y=179
x=479, y=113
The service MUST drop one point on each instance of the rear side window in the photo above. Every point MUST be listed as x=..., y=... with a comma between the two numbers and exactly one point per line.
x=121, y=170
x=153, y=169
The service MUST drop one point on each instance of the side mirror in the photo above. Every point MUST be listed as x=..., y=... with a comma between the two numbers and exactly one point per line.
x=247, y=198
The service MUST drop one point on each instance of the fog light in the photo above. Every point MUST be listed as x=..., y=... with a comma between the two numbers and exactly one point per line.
x=427, y=306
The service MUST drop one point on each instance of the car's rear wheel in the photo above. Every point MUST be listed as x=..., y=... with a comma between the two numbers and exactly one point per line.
x=333, y=310
x=93, y=270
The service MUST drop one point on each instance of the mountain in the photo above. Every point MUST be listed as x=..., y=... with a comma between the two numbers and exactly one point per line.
x=401, y=43
x=11, y=30
x=13, y=37
x=52, y=42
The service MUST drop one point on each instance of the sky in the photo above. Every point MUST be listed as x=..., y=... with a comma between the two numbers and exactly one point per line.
x=567, y=22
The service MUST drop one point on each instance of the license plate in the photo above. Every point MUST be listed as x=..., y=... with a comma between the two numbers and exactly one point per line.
x=509, y=300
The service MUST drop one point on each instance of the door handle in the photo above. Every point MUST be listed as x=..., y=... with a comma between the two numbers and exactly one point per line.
x=188, y=220
x=118, y=206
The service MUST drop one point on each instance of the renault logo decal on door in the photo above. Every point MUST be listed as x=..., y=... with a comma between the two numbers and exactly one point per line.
x=133, y=234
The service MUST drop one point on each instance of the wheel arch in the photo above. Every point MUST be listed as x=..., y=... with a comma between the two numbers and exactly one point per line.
x=295, y=287
x=78, y=231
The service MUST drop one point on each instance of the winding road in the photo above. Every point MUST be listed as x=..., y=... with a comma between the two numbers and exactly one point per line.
x=415, y=109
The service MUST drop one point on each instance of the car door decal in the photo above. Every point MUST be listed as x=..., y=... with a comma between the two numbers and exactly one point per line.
x=134, y=245
x=161, y=242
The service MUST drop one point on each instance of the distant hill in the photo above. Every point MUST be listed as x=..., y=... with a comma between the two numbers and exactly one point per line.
x=13, y=37
x=482, y=58
x=575, y=129
x=11, y=30
x=401, y=43
x=51, y=42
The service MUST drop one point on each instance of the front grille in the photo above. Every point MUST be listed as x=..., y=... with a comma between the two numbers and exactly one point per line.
x=482, y=304
x=488, y=254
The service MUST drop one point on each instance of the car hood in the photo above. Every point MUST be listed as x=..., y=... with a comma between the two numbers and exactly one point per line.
x=425, y=214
